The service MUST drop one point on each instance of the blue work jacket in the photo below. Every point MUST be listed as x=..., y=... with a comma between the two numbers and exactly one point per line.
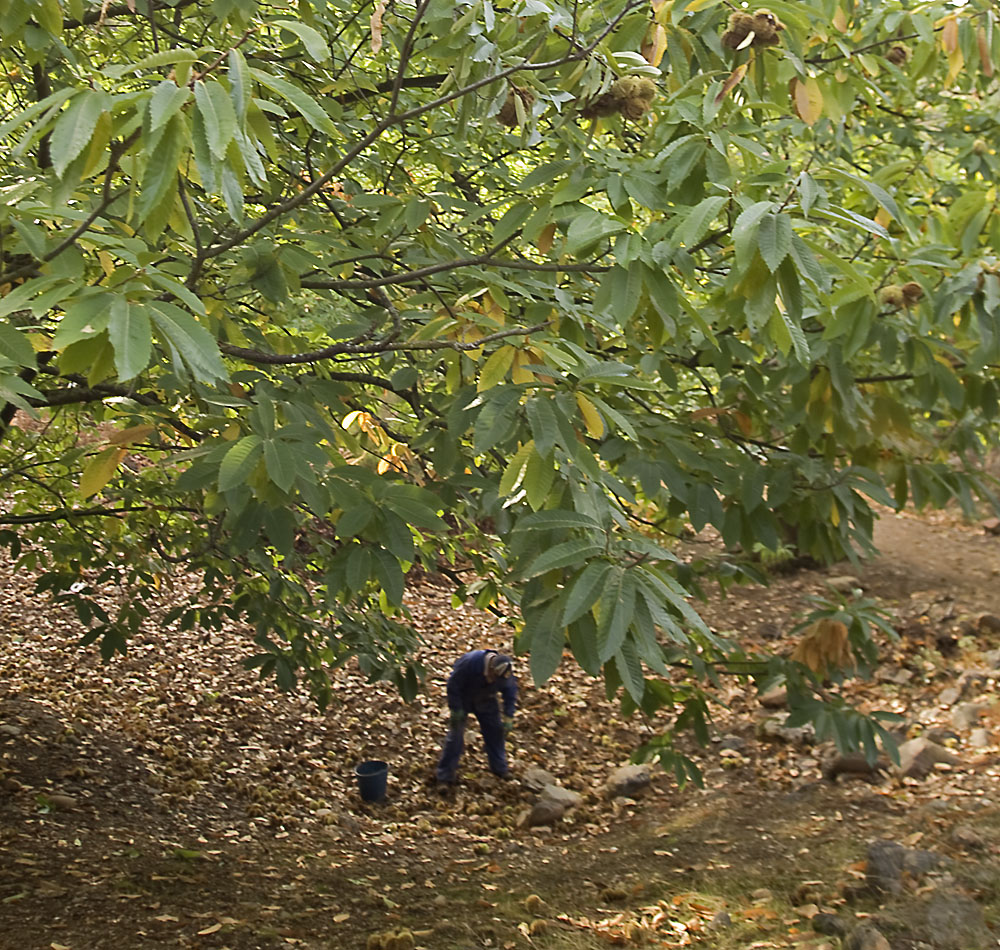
x=468, y=689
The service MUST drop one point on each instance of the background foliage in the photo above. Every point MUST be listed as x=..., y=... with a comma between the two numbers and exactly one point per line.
x=301, y=297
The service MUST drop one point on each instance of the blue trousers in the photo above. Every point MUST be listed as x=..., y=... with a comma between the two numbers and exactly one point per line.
x=491, y=728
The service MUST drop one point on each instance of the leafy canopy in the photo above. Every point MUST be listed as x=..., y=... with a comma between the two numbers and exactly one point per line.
x=299, y=297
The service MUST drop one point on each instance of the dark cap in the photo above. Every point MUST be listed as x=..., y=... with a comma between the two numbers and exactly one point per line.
x=500, y=665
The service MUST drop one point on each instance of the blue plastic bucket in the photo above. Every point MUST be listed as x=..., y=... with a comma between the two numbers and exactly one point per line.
x=372, y=779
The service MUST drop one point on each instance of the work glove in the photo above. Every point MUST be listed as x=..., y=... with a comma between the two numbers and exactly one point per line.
x=508, y=725
x=457, y=719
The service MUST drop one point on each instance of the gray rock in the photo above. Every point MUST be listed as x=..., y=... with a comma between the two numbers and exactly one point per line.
x=735, y=743
x=562, y=796
x=955, y=922
x=866, y=937
x=966, y=715
x=830, y=925
x=845, y=583
x=536, y=779
x=942, y=611
x=543, y=812
x=992, y=659
x=917, y=757
x=887, y=860
x=988, y=623
x=775, y=698
x=967, y=838
x=7, y=729
x=991, y=525
x=773, y=728
x=950, y=696
x=720, y=921
x=980, y=738
x=628, y=781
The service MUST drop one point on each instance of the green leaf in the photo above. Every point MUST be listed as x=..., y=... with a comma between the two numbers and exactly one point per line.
x=575, y=551
x=556, y=519
x=131, y=336
x=166, y=101
x=538, y=479
x=774, y=239
x=745, y=231
x=316, y=46
x=15, y=346
x=630, y=670
x=698, y=219
x=216, y=110
x=159, y=181
x=189, y=341
x=390, y=575
x=279, y=462
x=548, y=641
x=75, y=127
x=615, y=609
x=585, y=590
x=309, y=109
x=239, y=462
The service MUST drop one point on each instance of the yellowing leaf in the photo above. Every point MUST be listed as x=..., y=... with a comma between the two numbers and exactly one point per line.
x=130, y=435
x=840, y=20
x=655, y=44
x=985, y=59
x=949, y=34
x=492, y=309
x=107, y=262
x=100, y=470
x=514, y=473
x=735, y=77
x=376, y=25
x=591, y=417
x=495, y=368
x=545, y=238
x=825, y=645
x=518, y=373
x=808, y=98
x=956, y=60
x=883, y=217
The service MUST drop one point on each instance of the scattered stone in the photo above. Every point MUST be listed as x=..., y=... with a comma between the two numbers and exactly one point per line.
x=536, y=779
x=917, y=757
x=991, y=525
x=7, y=729
x=562, y=796
x=775, y=698
x=735, y=743
x=899, y=676
x=830, y=925
x=967, y=838
x=988, y=623
x=888, y=860
x=980, y=738
x=628, y=781
x=772, y=728
x=967, y=715
x=762, y=894
x=60, y=802
x=955, y=922
x=866, y=937
x=992, y=659
x=720, y=921
x=950, y=696
x=942, y=612
x=973, y=679
x=845, y=583
x=543, y=812
x=856, y=767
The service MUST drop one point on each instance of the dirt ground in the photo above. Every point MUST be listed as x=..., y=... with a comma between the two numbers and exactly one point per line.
x=172, y=800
